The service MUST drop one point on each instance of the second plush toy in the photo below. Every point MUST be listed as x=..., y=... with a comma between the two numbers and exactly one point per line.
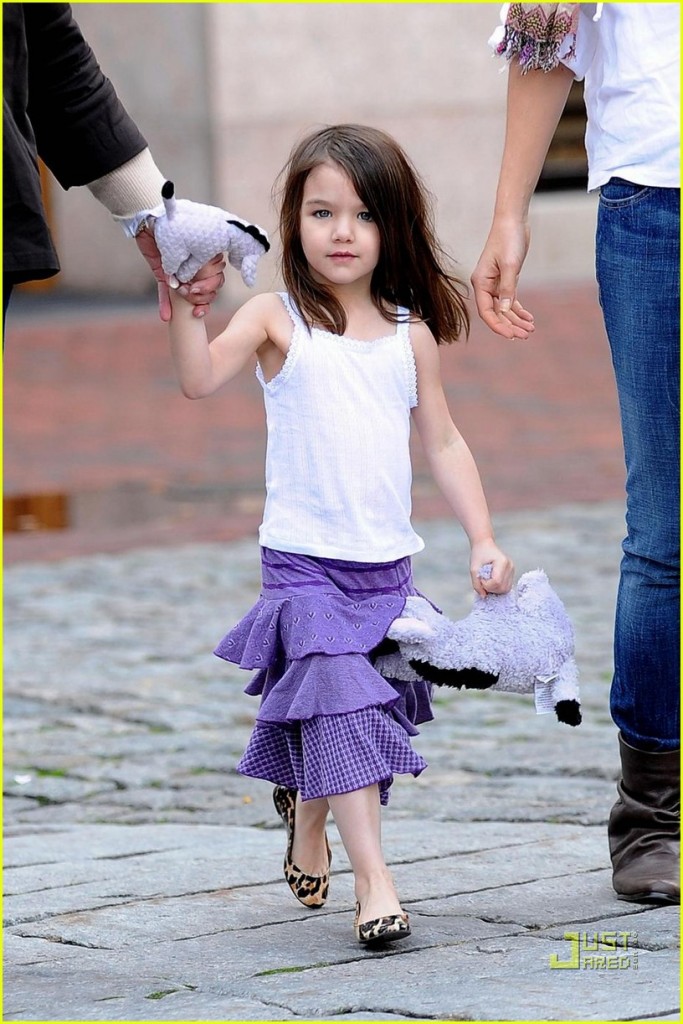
x=522, y=642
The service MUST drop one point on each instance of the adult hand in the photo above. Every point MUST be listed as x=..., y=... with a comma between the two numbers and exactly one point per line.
x=495, y=281
x=204, y=286
x=199, y=292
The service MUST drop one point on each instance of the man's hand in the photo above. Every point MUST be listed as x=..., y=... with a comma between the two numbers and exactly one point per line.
x=199, y=292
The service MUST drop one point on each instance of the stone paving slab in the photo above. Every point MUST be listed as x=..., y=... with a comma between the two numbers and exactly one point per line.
x=194, y=943
x=92, y=996
x=491, y=980
x=539, y=903
x=648, y=930
x=229, y=859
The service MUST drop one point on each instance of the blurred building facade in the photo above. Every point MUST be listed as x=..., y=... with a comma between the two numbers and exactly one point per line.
x=223, y=90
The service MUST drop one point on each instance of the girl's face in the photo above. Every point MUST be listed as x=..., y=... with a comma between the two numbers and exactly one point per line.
x=339, y=238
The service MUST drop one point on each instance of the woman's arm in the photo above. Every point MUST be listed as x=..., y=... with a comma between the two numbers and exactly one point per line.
x=453, y=466
x=202, y=367
x=534, y=104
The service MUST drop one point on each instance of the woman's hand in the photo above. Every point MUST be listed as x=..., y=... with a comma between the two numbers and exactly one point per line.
x=495, y=281
x=199, y=292
x=487, y=552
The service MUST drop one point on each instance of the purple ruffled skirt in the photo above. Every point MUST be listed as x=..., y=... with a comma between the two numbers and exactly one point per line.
x=328, y=721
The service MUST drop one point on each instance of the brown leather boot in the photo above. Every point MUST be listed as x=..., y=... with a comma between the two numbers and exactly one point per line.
x=644, y=827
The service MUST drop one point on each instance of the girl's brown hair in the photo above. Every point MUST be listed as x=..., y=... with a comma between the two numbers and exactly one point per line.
x=412, y=268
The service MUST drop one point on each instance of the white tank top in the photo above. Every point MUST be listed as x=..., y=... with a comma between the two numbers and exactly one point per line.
x=338, y=471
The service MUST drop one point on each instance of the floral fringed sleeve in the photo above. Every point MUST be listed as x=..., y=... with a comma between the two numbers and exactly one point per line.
x=538, y=35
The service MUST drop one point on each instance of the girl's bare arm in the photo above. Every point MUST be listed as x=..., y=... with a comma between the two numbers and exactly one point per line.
x=453, y=466
x=202, y=367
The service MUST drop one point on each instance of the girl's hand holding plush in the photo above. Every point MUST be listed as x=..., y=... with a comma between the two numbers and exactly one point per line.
x=491, y=570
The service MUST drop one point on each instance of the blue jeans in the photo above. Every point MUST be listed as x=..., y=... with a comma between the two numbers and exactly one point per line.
x=637, y=261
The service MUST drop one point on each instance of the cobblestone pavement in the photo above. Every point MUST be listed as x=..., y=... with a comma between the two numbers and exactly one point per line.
x=143, y=874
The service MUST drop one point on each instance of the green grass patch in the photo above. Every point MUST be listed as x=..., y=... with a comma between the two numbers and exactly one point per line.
x=290, y=970
x=161, y=993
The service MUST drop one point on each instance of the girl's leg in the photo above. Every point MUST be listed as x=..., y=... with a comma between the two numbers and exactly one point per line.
x=357, y=816
x=309, y=851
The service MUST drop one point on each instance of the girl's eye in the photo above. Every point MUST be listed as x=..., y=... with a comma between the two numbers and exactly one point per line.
x=366, y=216
x=321, y=214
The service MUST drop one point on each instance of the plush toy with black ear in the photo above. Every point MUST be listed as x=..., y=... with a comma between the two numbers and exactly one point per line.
x=190, y=234
x=521, y=642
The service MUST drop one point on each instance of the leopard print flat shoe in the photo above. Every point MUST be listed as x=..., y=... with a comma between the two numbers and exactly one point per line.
x=381, y=929
x=311, y=890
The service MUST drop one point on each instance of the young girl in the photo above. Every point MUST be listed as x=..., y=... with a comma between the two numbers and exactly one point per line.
x=345, y=357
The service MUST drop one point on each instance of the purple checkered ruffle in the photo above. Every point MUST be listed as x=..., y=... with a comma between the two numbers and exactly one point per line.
x=328, y=721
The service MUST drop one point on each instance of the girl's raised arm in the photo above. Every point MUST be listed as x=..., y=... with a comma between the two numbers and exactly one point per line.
x=202, y=367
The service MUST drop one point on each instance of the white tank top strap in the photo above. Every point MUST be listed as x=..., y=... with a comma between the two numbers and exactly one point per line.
x=294, y=314
x=410, y=370
x=299, y=331
x=403, y=325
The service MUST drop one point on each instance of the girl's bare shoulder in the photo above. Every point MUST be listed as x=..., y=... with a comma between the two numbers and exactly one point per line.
x=268, y=311
x=420, y=334
x=265, y=305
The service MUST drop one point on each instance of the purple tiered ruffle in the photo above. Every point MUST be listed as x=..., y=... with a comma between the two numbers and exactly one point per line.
x=328, y=721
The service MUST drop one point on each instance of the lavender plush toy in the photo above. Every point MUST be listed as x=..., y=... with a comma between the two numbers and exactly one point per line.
x=521, y=642
x=190, y=234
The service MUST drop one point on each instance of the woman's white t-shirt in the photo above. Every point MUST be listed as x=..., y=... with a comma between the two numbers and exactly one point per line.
x=629, y=55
